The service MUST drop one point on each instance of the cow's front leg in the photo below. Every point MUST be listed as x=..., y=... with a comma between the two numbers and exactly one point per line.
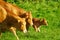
x=12, y=29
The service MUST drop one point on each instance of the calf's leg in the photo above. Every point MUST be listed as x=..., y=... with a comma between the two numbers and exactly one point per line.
x=36, y=28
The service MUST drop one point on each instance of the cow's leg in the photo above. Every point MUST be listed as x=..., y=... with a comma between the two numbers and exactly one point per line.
x=12, y=29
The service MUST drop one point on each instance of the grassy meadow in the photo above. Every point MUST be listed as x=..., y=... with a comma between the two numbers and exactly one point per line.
x=48, y=9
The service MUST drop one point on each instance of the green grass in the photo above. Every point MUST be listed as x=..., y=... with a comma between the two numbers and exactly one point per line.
x=43, y=9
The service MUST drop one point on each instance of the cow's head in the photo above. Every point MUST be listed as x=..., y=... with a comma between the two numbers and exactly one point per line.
x=29, y=18
x=23, y=26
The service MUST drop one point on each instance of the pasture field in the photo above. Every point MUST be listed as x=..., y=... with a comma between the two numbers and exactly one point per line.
x=48, y=9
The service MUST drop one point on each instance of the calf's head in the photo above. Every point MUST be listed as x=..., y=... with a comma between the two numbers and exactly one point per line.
x=44, y=22
x=38, y=22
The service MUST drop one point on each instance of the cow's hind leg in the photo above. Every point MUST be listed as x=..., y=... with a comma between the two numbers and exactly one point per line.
x=12, y=29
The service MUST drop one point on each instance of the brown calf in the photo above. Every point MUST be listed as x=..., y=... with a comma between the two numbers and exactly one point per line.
x=37, y=23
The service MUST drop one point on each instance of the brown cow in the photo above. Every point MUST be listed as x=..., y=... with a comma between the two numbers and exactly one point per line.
x=12, y=25
x=16, y=11
x=37, y=23
x=3, y=15
x=12, y=11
